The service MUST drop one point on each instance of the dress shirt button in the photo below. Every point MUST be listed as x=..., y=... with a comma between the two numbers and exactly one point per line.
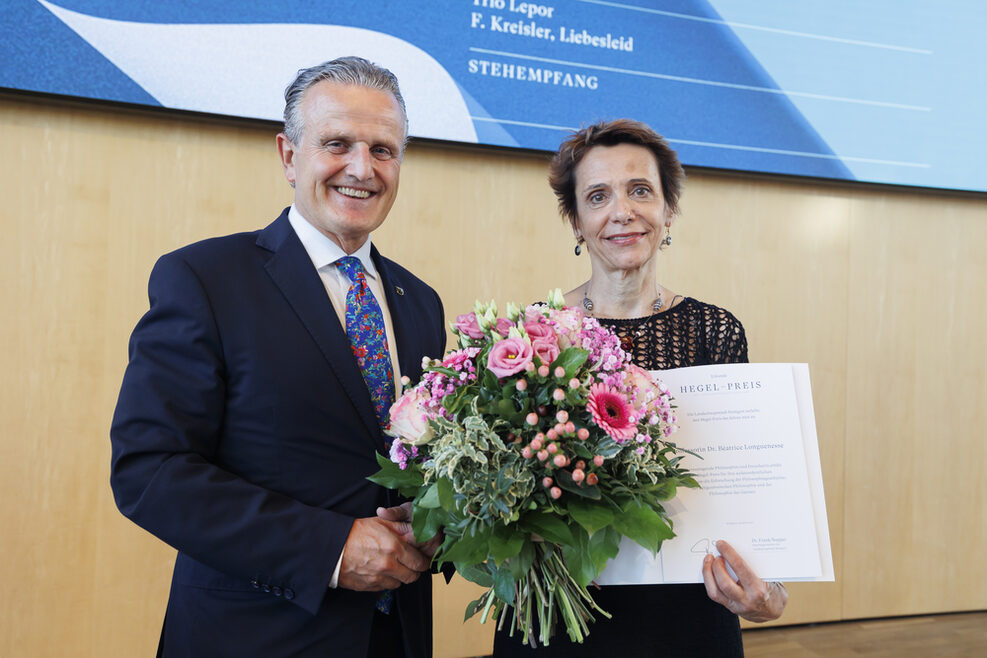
x=276, y=590
x=289, y=593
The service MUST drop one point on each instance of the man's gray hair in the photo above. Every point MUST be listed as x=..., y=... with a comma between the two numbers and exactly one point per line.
x=343, y=70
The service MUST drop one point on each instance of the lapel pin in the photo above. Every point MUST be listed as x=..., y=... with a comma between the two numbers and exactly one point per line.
x=399, y=290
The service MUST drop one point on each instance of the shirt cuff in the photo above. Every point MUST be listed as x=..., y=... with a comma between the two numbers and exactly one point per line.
x=334, y=581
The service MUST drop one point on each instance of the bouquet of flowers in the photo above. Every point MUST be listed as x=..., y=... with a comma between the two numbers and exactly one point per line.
x=535, y=445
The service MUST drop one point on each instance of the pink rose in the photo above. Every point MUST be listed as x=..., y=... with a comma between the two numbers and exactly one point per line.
x=569, y=323
x=639, y=385
x=509, y=356
x=467, y=324
x=504, y=326
x=546, y=349
x=409, y=419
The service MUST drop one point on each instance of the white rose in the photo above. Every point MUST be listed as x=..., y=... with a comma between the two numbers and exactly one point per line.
x=409, y=419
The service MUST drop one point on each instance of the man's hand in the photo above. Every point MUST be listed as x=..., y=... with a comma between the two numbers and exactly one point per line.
x=748, y=596
x=377, y=557
x=401, y=515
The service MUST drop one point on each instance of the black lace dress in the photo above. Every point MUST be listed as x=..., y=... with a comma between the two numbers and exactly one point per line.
x=660, y=620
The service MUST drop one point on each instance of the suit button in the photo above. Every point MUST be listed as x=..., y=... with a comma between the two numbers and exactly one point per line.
x=276, y=590
x=254, y=583
x=289, y=593
x=266, y=587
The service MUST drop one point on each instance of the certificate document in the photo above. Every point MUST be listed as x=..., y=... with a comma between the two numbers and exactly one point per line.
x=760, y=477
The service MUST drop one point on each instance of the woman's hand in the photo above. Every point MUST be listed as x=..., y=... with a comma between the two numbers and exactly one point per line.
x=749, y=596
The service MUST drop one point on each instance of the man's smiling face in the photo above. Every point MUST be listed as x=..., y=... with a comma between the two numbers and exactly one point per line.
x=346, y=165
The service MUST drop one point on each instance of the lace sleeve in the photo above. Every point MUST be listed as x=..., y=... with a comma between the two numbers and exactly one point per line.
x=727, y=342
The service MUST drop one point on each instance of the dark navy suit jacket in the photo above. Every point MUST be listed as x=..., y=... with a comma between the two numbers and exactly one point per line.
x=243, y=437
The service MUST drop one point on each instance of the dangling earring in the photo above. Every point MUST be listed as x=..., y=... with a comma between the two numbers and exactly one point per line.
x=667, y=240
x=579, y=249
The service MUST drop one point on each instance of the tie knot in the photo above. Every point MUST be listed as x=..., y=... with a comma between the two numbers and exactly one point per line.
x=351, y=267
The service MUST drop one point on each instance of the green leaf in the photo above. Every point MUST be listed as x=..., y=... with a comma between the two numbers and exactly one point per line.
x=608, y=448
x=455, y=403
x=447, y=495
x=468, y=548
x=603, y=547
x=643, y=525
x=665, y=490
x=579, y=560
x=564, y=479
x=449, y=372
x=426, y=522
x=419, y=519
x=503, y=584
x=549, y=527
x=505, y=543
x=579, y=449
x=504, y=408
x=520, y=564
x=570, y=359
x=390, y=475
x=490, y=380
x=430, y=499
x=688, y=482
x=590, y=516
x=475, y=606
x=475, y=573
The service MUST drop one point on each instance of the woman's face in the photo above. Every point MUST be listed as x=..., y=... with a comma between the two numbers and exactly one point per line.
x=620, y=209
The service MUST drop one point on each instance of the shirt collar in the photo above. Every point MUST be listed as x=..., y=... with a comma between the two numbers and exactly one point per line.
x=322, y=250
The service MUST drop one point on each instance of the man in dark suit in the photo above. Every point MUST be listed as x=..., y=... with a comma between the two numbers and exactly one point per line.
x=244, y=430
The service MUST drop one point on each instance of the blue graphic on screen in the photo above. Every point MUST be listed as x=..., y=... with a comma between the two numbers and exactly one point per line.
x=881, y=91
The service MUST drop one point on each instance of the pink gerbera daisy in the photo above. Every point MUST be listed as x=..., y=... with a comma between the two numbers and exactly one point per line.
x=611, y=412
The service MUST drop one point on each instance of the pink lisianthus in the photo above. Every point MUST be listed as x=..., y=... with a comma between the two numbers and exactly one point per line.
x=534, y=313
x=611, y=412
x=467, y=325
x=409, y=418
x=536, y=330
x=509, y=356
x=504, y=326
x=545, y=349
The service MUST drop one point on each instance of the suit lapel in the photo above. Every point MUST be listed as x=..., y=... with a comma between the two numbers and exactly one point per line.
x=292, y=271
x=407, y=330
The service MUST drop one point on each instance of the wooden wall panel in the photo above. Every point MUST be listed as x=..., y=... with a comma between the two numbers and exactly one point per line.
x=878, y=291
x=98, y=197
x=916, y=513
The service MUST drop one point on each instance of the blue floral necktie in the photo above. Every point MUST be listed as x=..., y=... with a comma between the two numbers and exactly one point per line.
x=368, y=340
